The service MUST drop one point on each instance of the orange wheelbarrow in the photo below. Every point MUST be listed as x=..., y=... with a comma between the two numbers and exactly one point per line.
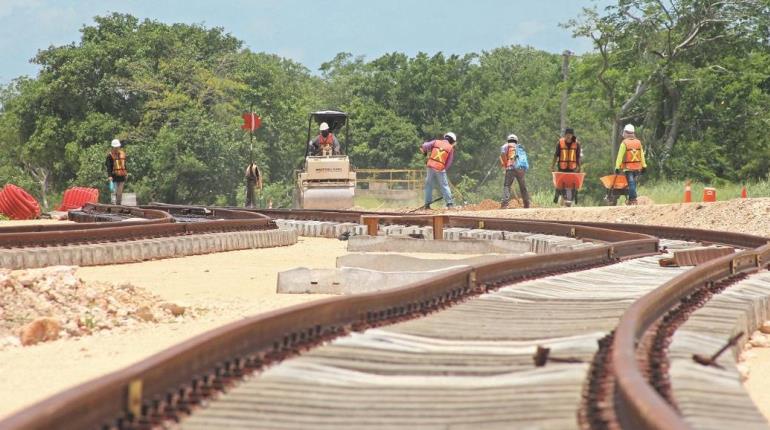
x=567, y=185
x=617, y=186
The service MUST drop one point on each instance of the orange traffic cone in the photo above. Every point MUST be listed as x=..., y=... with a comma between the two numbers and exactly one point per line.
x=687, y=192
x=744, y=194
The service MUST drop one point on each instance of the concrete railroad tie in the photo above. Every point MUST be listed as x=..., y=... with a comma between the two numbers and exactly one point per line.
x=538, y=243
x=145, y=249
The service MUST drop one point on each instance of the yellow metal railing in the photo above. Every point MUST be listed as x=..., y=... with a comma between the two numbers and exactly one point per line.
x=395, y=179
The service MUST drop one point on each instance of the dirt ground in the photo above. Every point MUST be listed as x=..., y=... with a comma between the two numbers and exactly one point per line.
x=758, y=363
x=739, y=215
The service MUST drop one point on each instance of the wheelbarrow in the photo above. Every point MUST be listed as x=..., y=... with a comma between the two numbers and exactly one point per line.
x=567, y=185
x=617, y=186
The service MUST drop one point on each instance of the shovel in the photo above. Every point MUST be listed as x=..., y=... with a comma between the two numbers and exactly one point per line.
x=423, y=206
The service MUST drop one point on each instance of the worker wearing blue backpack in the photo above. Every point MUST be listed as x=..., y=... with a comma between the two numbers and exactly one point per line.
x=513, y=158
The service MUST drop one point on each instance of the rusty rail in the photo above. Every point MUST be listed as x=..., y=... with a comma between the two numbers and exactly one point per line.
x=640, y=405
x=158, y=223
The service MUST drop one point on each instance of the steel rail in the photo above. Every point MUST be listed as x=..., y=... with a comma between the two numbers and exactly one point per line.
x=207, y=358
x=640, y=406
x=160, y=223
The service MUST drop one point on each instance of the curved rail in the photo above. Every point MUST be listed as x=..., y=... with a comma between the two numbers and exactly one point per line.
x=158, y=223
x=177, y=375
x=640, y=405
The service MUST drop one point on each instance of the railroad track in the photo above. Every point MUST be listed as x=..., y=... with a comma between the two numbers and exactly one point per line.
x=492, y=312
x=96, y=224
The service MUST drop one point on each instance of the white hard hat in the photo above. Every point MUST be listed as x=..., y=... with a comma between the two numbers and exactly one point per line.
x=629, y=128
x=115, y=143
x=513, y=137
x=450, y=135
x=324, y=126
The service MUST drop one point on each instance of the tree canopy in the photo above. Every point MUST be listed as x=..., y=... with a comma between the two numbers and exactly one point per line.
x=690, y=74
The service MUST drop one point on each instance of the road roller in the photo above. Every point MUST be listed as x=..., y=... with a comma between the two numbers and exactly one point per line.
x=327, y=180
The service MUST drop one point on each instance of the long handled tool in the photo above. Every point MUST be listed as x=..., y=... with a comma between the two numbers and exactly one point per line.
x=456, y=191
x=423, y=206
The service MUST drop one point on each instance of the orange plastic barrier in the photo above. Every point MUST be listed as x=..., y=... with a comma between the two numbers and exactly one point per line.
x=18, y=204
x=618, y=182
x=568, y=180
x=76, y=197
x=709, y=194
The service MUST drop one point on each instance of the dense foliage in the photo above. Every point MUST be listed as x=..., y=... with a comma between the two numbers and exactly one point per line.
x=693, y=76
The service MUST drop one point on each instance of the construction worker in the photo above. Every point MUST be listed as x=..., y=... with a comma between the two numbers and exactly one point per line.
x=325, y=143
x=440, y=156
x=116, y=169
x=567, y=156
x=630, y=160
x=253, y=178
x=514, y=160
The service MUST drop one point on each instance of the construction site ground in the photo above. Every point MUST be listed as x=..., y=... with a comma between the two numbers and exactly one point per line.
x=224, y=287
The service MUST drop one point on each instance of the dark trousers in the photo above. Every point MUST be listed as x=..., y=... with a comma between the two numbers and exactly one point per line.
x=250, y=185
x=510, y=175
x=566, y=194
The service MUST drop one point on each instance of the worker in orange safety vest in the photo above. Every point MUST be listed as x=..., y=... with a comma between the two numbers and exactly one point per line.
x=440, y=157
x=325, y=143
x=630, y=161
x=116, y=169
x=567, y=156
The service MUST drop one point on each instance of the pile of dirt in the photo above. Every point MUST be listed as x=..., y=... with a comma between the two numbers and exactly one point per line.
x=489, y=204
x=46, y=304
x=739, y=215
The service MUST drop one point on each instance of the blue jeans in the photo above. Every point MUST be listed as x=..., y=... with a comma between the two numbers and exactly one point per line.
x=631, y=177
x=443, y=184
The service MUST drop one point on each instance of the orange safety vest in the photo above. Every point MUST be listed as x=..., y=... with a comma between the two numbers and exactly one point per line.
x=325, y=141
x=119, y=164
x=567, y=155
x=633, y=158
x=439, y=154
x=509, y=158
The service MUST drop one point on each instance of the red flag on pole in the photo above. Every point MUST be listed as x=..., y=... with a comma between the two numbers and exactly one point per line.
x=251, y=121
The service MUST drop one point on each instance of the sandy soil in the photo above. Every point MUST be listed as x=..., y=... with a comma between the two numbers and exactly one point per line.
x=758, y=362
x=6, y=223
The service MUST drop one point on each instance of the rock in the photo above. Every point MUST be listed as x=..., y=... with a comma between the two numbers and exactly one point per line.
x=174, y=309
x=744, y=370
x=40, y=330
x=765, y=327
x=91, y=294
x=759, y=340
x=9, y=341
x=144, y=314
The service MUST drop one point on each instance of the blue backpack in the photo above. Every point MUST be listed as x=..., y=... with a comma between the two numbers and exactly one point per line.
x=522, y=162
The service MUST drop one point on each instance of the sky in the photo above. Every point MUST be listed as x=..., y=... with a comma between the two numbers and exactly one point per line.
x=310, y=32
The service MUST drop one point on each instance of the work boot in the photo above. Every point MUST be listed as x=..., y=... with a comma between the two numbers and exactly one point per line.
x=632, y=202
x=426, y=207
x=450, y=206
x=503, y=206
